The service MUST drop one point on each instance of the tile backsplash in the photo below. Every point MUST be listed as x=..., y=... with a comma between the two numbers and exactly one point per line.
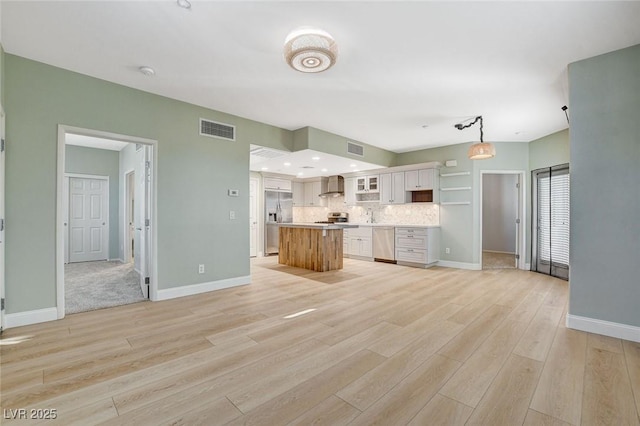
x=401, y=214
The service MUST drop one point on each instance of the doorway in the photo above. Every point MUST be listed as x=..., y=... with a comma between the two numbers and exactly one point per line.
x=106, y=238
x=550, y=221
x=502, y=224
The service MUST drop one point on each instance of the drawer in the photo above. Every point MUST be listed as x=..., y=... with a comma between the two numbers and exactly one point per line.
x=411, y=241
x=361, y=231
x=411, y=255
x=411, y=231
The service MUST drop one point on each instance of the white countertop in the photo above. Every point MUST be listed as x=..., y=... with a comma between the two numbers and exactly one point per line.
x=396, y=225
x=319, y=225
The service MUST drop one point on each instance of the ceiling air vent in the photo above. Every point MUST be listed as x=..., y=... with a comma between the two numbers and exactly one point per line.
x=266, y=153
x=355, y=149
x=217, y=130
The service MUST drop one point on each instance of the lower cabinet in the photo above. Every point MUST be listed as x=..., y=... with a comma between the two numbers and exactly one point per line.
x=417, y=246
x=357, y=242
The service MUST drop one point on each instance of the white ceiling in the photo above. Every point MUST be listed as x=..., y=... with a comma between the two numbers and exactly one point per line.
x=402, y=65
x=305, y=163
x=93, y=142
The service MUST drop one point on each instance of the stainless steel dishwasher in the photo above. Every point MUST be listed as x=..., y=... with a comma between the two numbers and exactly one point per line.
x=384, y=244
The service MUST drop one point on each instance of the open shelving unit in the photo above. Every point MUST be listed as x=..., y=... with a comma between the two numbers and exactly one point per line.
x=459, y=195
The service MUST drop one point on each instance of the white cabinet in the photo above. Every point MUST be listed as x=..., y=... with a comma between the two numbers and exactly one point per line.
x=277, y=184
x=298, y=194
x=358, y=242
x=392, y=188
x=419, y=180
x=312, y=191
x=350, y=192
x=365, y=184
x=417, y=246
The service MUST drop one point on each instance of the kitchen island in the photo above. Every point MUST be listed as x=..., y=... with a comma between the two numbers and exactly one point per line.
x=313, y=246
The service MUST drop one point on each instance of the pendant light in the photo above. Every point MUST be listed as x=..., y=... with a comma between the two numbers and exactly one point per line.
x=481, y=150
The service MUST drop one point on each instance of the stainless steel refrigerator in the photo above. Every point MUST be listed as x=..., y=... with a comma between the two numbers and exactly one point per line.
x=278, y=208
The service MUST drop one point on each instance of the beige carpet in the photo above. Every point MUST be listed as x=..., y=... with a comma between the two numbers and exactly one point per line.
x=492, y=260
x=97, y=285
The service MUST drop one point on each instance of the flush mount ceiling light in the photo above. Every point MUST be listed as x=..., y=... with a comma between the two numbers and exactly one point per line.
x=148, y=71
x=482, y=150
x=185, y=4
x=310, y=50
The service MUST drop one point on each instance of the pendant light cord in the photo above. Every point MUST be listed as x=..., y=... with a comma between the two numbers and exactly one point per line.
x=460, y=127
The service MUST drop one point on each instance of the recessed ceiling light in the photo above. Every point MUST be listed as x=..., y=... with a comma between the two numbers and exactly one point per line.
x=300, y=174
x=185, y=4
x=264, y=168
x=325, y=170
x=315, y=158
x=356, y=170
x=287, y=164
x=148, y=71
x=352, y=165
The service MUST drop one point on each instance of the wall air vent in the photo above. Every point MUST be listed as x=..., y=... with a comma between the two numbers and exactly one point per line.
x=217, y=130
x=355, y=149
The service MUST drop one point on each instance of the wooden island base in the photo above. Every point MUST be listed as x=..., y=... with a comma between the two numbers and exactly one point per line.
x=316, y=249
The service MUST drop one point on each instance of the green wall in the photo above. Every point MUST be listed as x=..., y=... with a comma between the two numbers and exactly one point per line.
x=549, y=151
x=102, y=162
x=194, y=174
x=604, y=103
x=319, y=140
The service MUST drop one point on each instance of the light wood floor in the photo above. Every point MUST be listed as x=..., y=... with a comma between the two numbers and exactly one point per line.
x=385, y=345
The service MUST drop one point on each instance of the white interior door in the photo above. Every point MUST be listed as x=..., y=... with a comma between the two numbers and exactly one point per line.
x=88, y=219
x=253, y=217
x=142, y=220
x=65, y=201
x=129, y=217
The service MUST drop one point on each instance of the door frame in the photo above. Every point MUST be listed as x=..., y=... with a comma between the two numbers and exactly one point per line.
x=521, y=246
x=127, y=237
x=2, y=216
x=67, y=204
x=59, y=252
x=256, y=203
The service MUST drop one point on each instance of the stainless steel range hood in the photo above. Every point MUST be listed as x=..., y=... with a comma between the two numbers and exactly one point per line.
x=335, y=187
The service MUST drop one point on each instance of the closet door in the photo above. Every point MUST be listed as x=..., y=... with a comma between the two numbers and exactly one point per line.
x=550, y=242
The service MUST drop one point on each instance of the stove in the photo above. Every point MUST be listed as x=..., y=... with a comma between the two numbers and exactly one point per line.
x=335, y=217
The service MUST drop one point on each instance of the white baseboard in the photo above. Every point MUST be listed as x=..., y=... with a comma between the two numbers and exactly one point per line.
x=460, y=265
x=190, y=290
x=606, y=328
x=30, y=317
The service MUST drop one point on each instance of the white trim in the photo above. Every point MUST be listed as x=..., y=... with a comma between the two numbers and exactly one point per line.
x=460, y=265
x=30, y=317
x=499, y=252
x=62, y=131
x=190, y=290
x=527, y=266
x=606, y=328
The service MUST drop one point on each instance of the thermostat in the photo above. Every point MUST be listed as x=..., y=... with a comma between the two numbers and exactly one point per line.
x=233, y=193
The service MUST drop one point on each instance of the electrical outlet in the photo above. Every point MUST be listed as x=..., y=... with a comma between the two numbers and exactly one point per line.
x=447, y=250
x=201, y=268
x=232, y=215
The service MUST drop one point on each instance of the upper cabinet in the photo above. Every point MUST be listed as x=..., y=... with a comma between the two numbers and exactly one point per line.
x=392, y=188
x=312, y=191
x=366, y=184
x=277, y=184
x=298, y=194
x=350, y=191
x=420, y=180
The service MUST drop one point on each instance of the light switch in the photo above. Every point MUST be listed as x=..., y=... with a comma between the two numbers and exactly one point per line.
x=232, y=215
